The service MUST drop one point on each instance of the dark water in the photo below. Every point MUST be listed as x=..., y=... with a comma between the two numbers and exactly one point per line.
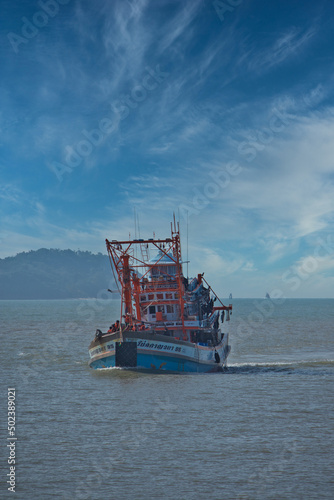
x=262, y=430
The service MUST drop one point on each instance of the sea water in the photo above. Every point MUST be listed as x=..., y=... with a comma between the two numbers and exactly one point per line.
x=261, y=430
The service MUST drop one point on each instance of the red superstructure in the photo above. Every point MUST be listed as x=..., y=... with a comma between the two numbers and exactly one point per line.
x=154, y=292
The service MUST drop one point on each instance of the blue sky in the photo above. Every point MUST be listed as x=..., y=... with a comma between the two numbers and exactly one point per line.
x=220, y=111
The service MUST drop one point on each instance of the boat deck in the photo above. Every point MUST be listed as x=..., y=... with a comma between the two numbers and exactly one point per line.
x=144, y=334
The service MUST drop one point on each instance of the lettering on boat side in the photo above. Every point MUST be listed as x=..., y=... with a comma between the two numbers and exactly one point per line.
x=155, y=345
x=141, y=344
x=103, y=348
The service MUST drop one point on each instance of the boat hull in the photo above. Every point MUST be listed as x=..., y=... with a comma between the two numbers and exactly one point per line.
x=152, y=352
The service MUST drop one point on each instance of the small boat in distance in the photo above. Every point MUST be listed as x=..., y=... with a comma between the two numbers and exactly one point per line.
x=267, y=296
x=230, y=296
x=167, y=322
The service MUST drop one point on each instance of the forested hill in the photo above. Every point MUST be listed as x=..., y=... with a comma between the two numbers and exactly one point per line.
x=55, y=274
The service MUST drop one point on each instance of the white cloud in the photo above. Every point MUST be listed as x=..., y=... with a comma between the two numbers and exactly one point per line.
x=10, y=193
x=248, y=266
x=285, y=47
x=312, y=264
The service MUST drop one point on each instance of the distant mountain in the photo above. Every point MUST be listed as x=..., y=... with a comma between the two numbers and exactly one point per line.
x=54, y=274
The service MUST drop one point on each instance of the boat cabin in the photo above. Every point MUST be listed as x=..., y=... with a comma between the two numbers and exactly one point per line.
x=159, y=298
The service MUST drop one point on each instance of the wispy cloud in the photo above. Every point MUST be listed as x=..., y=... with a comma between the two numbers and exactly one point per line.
x=10, y=193
x=287, y=46
x=179, y=26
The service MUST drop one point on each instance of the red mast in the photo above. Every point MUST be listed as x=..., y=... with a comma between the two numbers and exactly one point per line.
x=126, y=289
x=177, y=255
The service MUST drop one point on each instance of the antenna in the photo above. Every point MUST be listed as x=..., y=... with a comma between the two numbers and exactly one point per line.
x=138, y=226
x=135, y=220
x=187, y=247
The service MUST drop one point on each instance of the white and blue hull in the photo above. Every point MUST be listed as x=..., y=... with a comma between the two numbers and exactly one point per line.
x=157, y=353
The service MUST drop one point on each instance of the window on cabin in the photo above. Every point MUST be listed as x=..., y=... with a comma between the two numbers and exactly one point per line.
x=160, y=295
x=169, y=295
x=151, y=296
x=163, y=270
x=161, y=309
x=151, y=310
x=170, y=309
x=143, y=298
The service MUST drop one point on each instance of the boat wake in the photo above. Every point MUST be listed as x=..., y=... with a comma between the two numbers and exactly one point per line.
x=308, y=366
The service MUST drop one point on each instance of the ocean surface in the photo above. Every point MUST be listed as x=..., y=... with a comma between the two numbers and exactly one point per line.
x=264, y=429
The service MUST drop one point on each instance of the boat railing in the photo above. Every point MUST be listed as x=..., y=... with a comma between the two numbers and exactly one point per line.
x=155, y=286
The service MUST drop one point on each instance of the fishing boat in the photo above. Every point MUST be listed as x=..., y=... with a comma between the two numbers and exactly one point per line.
x=167, y=322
